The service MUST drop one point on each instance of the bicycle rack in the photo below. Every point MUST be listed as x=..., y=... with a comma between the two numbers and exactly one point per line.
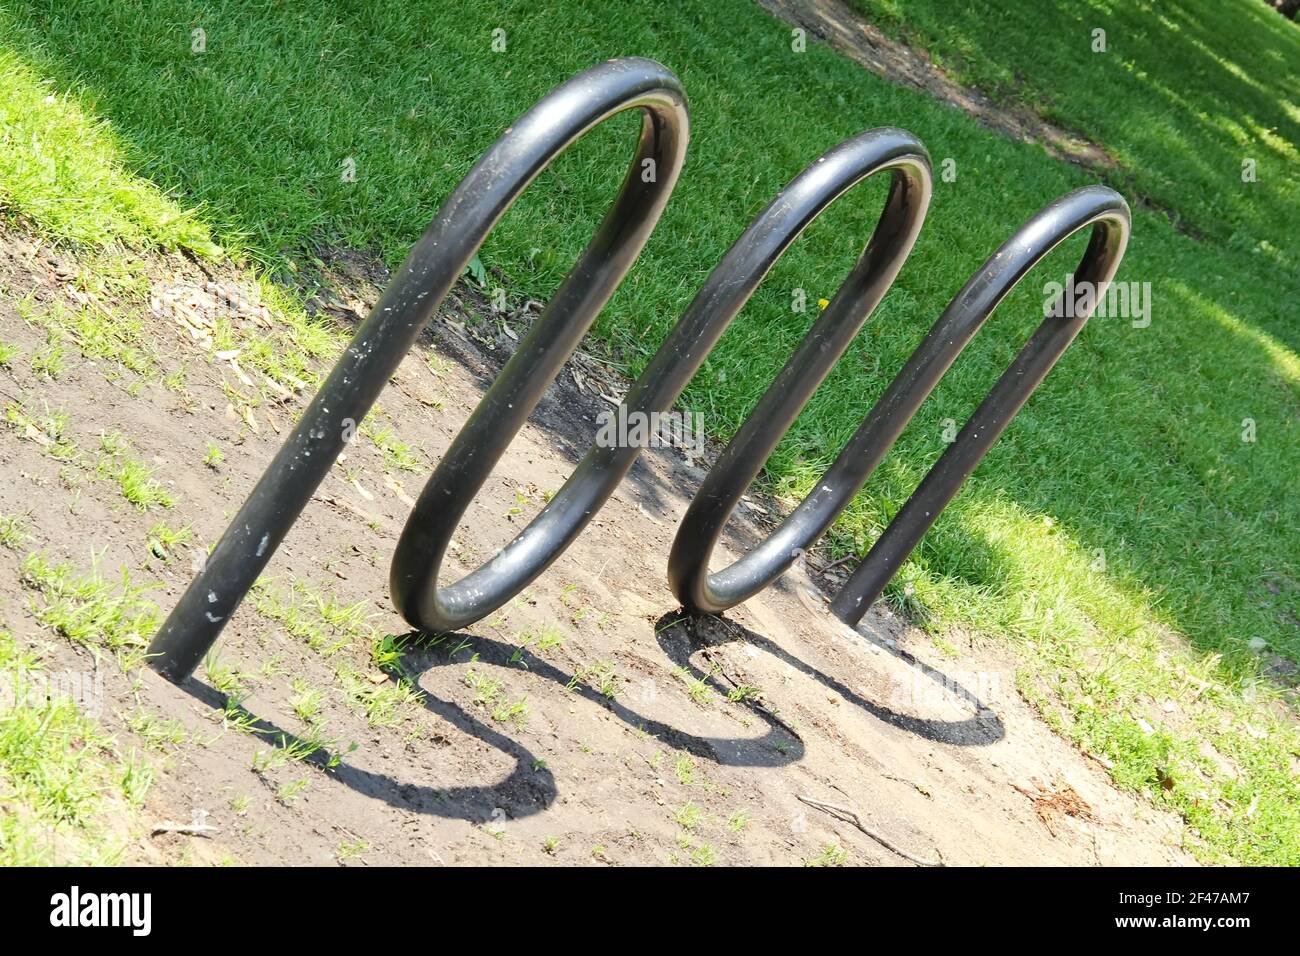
x=1096, y=206
x=740, y=462
x=459, y=228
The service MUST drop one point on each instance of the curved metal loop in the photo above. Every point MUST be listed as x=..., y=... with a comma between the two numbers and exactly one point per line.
x=728, y=287
x=1097, y=206
x=414, y=294
x=744, y=456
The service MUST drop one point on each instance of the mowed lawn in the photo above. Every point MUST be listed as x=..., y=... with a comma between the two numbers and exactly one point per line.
x=1180, y=96
x=1122, y=536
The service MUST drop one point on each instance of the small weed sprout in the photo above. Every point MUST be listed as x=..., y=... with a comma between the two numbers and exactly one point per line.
x=13, y=533
x=688, y=816
x=831, y=855
x=684, y=768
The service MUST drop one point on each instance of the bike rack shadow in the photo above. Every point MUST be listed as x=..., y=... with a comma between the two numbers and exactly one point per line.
x=778, y=747
x=680, y=634
x=529, y=789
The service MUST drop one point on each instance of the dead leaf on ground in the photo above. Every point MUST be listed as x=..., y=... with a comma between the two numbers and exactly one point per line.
x=1052, y=803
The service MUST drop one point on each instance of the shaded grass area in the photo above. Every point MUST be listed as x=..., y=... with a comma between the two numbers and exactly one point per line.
x=1122, y=533
x=1180, y=96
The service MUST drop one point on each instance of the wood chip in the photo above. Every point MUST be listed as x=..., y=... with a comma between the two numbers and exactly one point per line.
x=395, y=486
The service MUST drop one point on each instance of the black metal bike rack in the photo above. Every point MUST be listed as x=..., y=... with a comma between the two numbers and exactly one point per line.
x=738, y=465
x=1097, y=206
x=414, y=294
x=455, y=234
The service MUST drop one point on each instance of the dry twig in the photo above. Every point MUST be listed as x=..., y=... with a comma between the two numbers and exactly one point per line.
x=848, y=816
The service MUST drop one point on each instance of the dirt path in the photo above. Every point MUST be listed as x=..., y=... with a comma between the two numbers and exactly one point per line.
x=844, y=28
x=584, y=722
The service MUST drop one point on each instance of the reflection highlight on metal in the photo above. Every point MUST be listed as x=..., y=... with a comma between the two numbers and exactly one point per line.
x=455, y=234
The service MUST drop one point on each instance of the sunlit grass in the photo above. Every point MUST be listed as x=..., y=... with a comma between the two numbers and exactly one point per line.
x=68, y=795
x=65, y=170
x=1182, y=94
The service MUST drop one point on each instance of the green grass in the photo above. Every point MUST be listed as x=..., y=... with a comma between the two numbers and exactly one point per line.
x=69, y=796
x=164, y=541
x=697, y=687
x=602, y=677
x=688, y=816
x=1181, y=96
x=351, y=849
x=831, y=855
x=704, y=855
x=134, y=479
x=49, y=362
x=13, y=532
x=97, y=333
x=397, y=454
x=512, y=712
x=1120, y=535
x=91, y=611
x=159, y=733
x=306, y=701
x=62, y=167
x=330, y=628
